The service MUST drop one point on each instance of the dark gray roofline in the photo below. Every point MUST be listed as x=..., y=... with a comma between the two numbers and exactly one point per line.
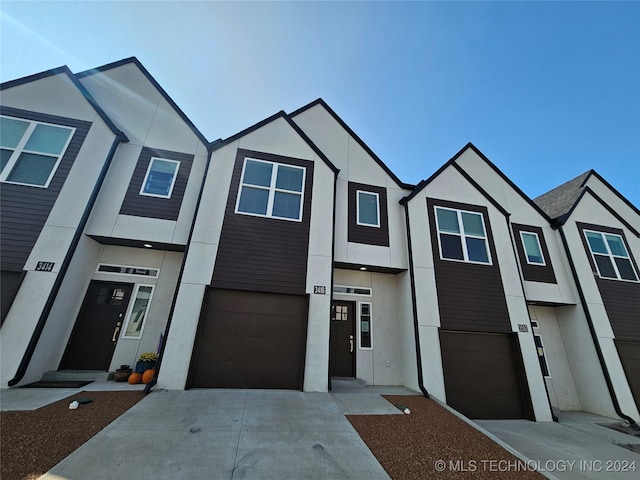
x=616, y=192
x=452, y=161
x=153, y=81
x=320, y=101
x=65, y=70
x=281, y=114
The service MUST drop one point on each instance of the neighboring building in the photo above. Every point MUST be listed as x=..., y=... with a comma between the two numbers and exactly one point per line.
x=289, y=254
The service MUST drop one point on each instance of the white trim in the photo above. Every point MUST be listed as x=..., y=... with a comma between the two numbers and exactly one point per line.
x=157, y=270
x=130, y=311
x=358, y=222
x=173, y=180
x=352, y=294
x=359, y=320
x=20, y=149
x=272, y=189
x=462, y=236
x=524, y=247
x=611, y=256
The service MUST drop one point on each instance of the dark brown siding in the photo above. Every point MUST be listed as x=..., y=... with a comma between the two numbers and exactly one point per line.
x=470, y=296
x=155, y=207
x=362, y=233
x=25, y=209
x=263, y=254
x=621, y=299
x=533, y=273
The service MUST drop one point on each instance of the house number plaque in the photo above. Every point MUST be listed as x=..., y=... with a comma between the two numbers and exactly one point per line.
x=320, y=289
x=45, y=266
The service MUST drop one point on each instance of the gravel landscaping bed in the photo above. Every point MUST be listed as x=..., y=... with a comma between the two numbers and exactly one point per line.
x=33, y=442
x=431, y=442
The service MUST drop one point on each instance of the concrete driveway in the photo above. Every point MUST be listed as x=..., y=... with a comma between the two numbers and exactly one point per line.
x=578, y=447
x=232, y=434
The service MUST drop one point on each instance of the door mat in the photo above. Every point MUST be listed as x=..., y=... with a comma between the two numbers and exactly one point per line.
x=59, y=384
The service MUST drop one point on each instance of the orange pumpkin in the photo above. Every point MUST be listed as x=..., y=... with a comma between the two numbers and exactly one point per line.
x=147, y=376
x=135, y=378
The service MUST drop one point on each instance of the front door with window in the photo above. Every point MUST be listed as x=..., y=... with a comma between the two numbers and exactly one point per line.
x=98, y=326
x=342, y=361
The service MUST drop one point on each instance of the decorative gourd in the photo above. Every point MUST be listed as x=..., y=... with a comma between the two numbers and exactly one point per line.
x=147, y=376
x=134, y=378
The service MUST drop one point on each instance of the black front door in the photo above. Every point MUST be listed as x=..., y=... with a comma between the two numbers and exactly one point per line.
x=342, y=362
x=98, y=326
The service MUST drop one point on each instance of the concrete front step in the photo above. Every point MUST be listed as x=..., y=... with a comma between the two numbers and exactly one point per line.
x=77, y=375
x=347, y=382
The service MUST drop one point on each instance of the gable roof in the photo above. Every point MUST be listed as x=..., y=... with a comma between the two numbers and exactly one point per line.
x=452, y=162
x=560, y=202
x=64, y=70
x=145, y=72
x=366, y=148
x=217, y=144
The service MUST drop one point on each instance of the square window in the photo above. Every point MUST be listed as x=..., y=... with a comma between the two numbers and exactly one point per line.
x=468, y=244
x=160, y=178
x=269, y=189
x=610, y=256
x=368, y=207
x=31, y=151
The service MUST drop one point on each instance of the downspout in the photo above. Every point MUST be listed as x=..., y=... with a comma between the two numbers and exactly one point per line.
x=154, y=381
x=333, y=258
x=524, y=295
x=35, y=337
x=594, y=336
x=414, y=303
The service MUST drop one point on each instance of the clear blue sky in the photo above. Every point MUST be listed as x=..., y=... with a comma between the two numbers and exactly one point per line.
x=545, y=90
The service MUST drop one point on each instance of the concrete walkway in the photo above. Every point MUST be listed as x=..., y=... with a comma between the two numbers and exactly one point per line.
x=232, y=434
x=577, y=447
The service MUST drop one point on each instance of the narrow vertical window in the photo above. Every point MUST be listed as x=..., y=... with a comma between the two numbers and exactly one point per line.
x=610, y=256
x=541, y=356
x=365, y=325
x=532, y=249
x=462, y=236
x=160, y=178
x=368, y=208
x=138, y=314
x=31, y=151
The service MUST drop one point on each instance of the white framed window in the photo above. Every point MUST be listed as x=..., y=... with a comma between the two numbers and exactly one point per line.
x=461, y=236
x=269, y=189
x=532, y=249
x=31, y=151
x=127, y=270
x=138, y=312
x=364, y=325
x=368, y=208
x=343, y=290
x=160, y=178
x=610, y=256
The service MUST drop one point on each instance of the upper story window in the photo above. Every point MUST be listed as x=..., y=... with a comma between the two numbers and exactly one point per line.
x=462, y=236
x=532, y=248
x=270, y=189
x=160, y=178
x=368, y=208
x=31, y=151
x=610, y=255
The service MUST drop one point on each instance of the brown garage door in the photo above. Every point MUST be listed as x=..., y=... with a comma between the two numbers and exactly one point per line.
x=250, y=340
x=630, y=357
x=481, y=375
